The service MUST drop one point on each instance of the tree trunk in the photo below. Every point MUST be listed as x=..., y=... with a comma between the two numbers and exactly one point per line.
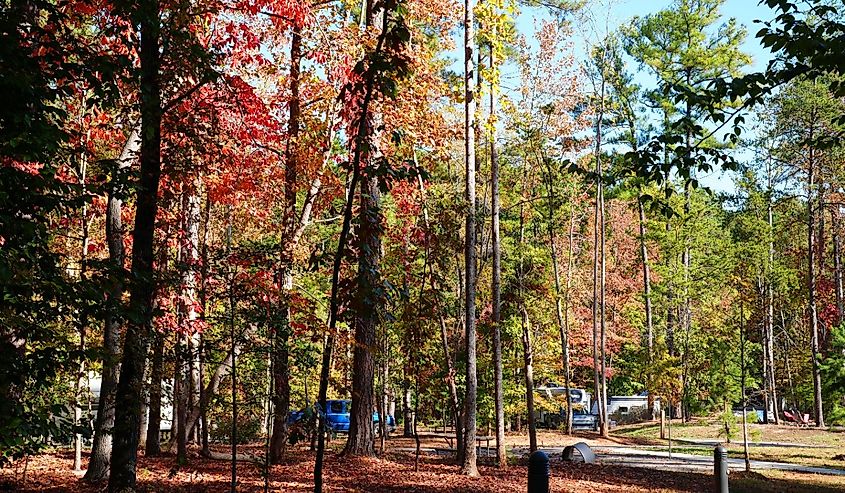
x=770, y=298
x=407, y=412
x=338, y=259
x=82, y=322
x=837, y=263
x=153, y=444
x=649, y=324
x=367, y=302
x=98, y=464
x=529, y=378
x=281, y=373
x=281, y=353
x=602, y=311
x=187, y=316
x=598, y=229
x=742, y=387
x=562, y=312
x=501, y=453
x=180, y=399
x=468, y=465
x=360, y=441
x=811, y=296
x=129, y=395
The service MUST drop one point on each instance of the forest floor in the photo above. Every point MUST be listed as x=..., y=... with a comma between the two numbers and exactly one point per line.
x=394, y=472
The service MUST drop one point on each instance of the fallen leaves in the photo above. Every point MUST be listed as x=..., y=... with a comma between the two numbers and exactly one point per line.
x=391, y=473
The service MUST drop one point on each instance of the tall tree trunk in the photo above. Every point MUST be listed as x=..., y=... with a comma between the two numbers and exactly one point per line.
x=281, y=353
x=501, y=454
x=562, y=312
x=649, y=323
x=98, y=463
x=82, y=322
x=202, y=407
x=598, y=267
x=180, y=399
x=334, y=303
x=186, y=349
x=770, y=295
x=837, y=263
x=233, y=344
x=527, y=353
x=468, y=465
x=129, y=395
x=360, y=441
x=811, y=293
x=603, y=312
x=367, y=302
x=444, y=333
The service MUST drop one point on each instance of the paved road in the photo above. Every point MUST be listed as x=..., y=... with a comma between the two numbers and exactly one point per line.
x=656, y=459
x=713, y=443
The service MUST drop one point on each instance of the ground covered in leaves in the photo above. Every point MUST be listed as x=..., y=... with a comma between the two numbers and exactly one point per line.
x=391, y=473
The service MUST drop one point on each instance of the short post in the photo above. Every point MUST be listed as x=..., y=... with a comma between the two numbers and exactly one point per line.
x=538, y=472
x=720, y=469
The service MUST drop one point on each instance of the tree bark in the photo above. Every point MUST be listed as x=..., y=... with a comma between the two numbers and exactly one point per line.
x=837, y=263
x=338, y=260
x=184, y=379
x=770, y=297
x=98, y=463
x=501, y=453
x=562, y=312
x=153, y=440
x=361, y=433
x=367, y=300
x=468, y=466
x=603, y=311
x=281, y=352
x=129, y=395
x=811, y=293
x=529, y=378
x=407, y=411
x=598, y=229
x=82, y=322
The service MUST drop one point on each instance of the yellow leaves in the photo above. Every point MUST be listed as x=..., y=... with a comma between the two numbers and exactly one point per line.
x=496, y=18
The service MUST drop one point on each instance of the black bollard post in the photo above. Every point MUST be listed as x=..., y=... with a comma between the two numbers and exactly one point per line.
x=720, y=469
x=538, y=472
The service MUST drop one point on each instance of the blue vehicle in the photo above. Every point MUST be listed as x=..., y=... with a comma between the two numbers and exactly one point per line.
x=337, y=416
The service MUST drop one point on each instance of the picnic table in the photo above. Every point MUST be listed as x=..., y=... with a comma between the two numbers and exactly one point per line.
x=450, y=438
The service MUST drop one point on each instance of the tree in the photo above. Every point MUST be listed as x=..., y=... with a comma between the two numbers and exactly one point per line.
x=805, y=111
x=468, y=454
x=679, y=47
x=129, y=389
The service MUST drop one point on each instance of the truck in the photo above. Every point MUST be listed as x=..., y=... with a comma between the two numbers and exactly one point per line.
x=337, y=416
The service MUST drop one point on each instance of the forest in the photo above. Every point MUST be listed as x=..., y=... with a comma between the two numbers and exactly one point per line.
x=219, y=218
